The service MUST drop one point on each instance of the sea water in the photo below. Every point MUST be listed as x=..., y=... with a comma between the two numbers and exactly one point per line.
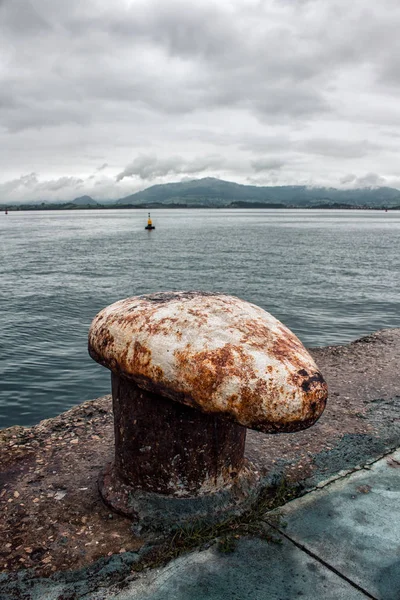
x=330, y=276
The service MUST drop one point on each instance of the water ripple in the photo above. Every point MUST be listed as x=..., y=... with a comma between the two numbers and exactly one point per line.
x=331, y=276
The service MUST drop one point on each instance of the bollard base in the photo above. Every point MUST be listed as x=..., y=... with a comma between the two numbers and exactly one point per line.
x=151, y=512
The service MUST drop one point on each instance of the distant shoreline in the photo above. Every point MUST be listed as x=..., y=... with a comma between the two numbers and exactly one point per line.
x=249, y=205
x=210, y=192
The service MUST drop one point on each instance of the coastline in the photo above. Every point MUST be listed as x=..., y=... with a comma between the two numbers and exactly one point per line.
x=151, y=206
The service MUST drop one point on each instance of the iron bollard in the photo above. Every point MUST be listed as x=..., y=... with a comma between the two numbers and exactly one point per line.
x=190, y=372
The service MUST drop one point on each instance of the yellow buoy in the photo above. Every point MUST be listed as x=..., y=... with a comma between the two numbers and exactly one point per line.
x=149, y=223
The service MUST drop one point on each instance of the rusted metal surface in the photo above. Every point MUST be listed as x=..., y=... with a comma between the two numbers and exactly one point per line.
x=213, y=352
x=168, y=448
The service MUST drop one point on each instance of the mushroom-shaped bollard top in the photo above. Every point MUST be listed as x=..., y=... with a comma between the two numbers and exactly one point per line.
x=213, y=352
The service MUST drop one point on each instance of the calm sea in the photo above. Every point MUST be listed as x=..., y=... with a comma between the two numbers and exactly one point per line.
x=330, y=276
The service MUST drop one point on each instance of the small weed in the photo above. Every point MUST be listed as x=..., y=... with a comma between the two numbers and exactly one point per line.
x=268, y=537
x=198, y=534
x=227, y=544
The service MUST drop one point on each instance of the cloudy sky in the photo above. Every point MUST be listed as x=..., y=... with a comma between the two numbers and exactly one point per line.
x=108, y=97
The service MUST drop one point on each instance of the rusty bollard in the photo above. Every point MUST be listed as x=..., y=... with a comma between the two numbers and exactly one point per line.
x=190, y=372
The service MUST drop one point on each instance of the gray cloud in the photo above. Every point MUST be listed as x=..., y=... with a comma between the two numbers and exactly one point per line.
x=31, y=186
x=267, y=164
x=23, y=19
x=151, y=167
x=310, y=86
x=370, y=180
x=338, y=148
x=35, y=116
x=350, y=178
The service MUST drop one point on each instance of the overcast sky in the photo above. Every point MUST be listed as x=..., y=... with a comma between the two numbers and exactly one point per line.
x=107, y=97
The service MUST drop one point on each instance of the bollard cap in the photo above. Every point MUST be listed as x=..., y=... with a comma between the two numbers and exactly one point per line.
x=215, y=353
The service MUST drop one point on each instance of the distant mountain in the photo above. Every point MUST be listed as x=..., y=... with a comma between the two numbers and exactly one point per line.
x=213, y=192
x=251, y=204
x=84, y=201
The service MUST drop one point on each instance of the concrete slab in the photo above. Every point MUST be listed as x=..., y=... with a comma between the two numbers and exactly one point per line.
x=257, y=570
x=353, y=524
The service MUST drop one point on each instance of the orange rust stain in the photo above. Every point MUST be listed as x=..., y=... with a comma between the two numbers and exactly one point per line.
x=260, y=407
x=310, y=382
x=254, y=400
x=136, y=362
x=314, y=390
x=158, y=373
x=201, y=316
x=165, y=326
x=141, y=356
x=106, y=339
x=146, y=320
x=204, y=372
x=255, y=334
x=287, y=349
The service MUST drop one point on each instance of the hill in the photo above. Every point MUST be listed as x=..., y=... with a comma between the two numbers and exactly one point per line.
x=218, y=193
x=84, y=201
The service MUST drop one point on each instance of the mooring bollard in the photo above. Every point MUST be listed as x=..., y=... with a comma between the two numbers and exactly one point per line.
x=190, y=372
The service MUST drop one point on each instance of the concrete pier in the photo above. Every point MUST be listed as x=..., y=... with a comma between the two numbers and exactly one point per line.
x=59, y=538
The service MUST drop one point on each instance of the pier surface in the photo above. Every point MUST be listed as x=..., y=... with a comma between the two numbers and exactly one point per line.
x=58, y=537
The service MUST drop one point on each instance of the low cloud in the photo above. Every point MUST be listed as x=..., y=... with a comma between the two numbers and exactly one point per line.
x=147, y=166
x=350, y=178
x=369, y=180
x=30, y=186
x=340, y=148
x=267, y=164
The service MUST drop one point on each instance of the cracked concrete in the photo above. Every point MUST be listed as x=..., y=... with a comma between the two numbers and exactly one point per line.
x=353, y=525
